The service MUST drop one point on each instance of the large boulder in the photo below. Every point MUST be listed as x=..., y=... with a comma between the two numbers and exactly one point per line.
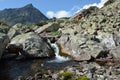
x=71, y=45
x=50, y=27
x=17, y=29
x=31, y=45
x=81, y=48
x=4, y=40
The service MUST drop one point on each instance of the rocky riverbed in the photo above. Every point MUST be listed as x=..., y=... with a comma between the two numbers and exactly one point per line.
x=12, y=69
x=69, y=70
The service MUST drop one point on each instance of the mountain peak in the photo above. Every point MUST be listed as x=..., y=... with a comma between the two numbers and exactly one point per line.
x=29, y=5
x=25, y=15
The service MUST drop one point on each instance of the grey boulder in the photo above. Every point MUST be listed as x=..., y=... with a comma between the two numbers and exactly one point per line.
x=32, y=45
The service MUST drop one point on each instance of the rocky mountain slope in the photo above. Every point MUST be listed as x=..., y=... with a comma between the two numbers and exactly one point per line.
x=95, y=34
x=26, y=15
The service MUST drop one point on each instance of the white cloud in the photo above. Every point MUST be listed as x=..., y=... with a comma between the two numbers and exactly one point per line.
x=50, y=14
x=99, y=5
x=58, y=14
x=102, y=2
x=73, y=10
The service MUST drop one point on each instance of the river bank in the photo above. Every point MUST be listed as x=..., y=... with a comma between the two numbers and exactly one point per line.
x=69, y=70
x=12, y=69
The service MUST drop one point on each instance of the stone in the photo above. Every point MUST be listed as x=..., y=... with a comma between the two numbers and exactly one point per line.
x=96, y=51
x=4, y=40
x=115, y=52
x=20, y=78
x=12, y=33
x=116, y=37
x=17, y=29
x=55, y=76
x=50, y=27
x=33, y=46
x=91, y=31
x=4, y=28
x=82, y=56
x=38, y=75
x=106, y=39
x=71, y=46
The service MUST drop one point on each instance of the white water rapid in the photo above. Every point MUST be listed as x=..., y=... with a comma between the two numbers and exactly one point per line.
x=58, y=58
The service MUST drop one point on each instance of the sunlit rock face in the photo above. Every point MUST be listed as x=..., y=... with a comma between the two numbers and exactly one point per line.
x=32, y=45
x=94, y=34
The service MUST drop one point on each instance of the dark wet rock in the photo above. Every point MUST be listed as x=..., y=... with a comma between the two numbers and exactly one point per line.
x=20, y=78
x=4, y=40
x=9, y=56
x=12, y=51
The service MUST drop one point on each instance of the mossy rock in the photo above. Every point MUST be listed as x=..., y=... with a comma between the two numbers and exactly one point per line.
x=81, y=78
x=66, y=74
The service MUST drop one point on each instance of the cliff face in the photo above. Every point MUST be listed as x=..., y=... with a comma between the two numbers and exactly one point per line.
x=26, y=15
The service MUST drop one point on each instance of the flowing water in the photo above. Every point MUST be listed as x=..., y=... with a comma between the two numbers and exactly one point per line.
x=58, y=58
x=11, y=69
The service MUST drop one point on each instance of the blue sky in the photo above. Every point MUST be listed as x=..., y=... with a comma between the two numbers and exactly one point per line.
x=53, y=8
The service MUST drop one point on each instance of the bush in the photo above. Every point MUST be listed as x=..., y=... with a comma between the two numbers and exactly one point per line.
x=82, y=78
x=66, y=75
x=40, y=23
x=69, y=76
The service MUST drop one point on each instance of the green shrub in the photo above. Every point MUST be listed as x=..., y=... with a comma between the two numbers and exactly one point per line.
x=40, y=23
x=69, y=75
x=82, y=78
x=66, y=74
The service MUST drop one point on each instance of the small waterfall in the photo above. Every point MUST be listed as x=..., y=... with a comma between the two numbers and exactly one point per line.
x=58, y=58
